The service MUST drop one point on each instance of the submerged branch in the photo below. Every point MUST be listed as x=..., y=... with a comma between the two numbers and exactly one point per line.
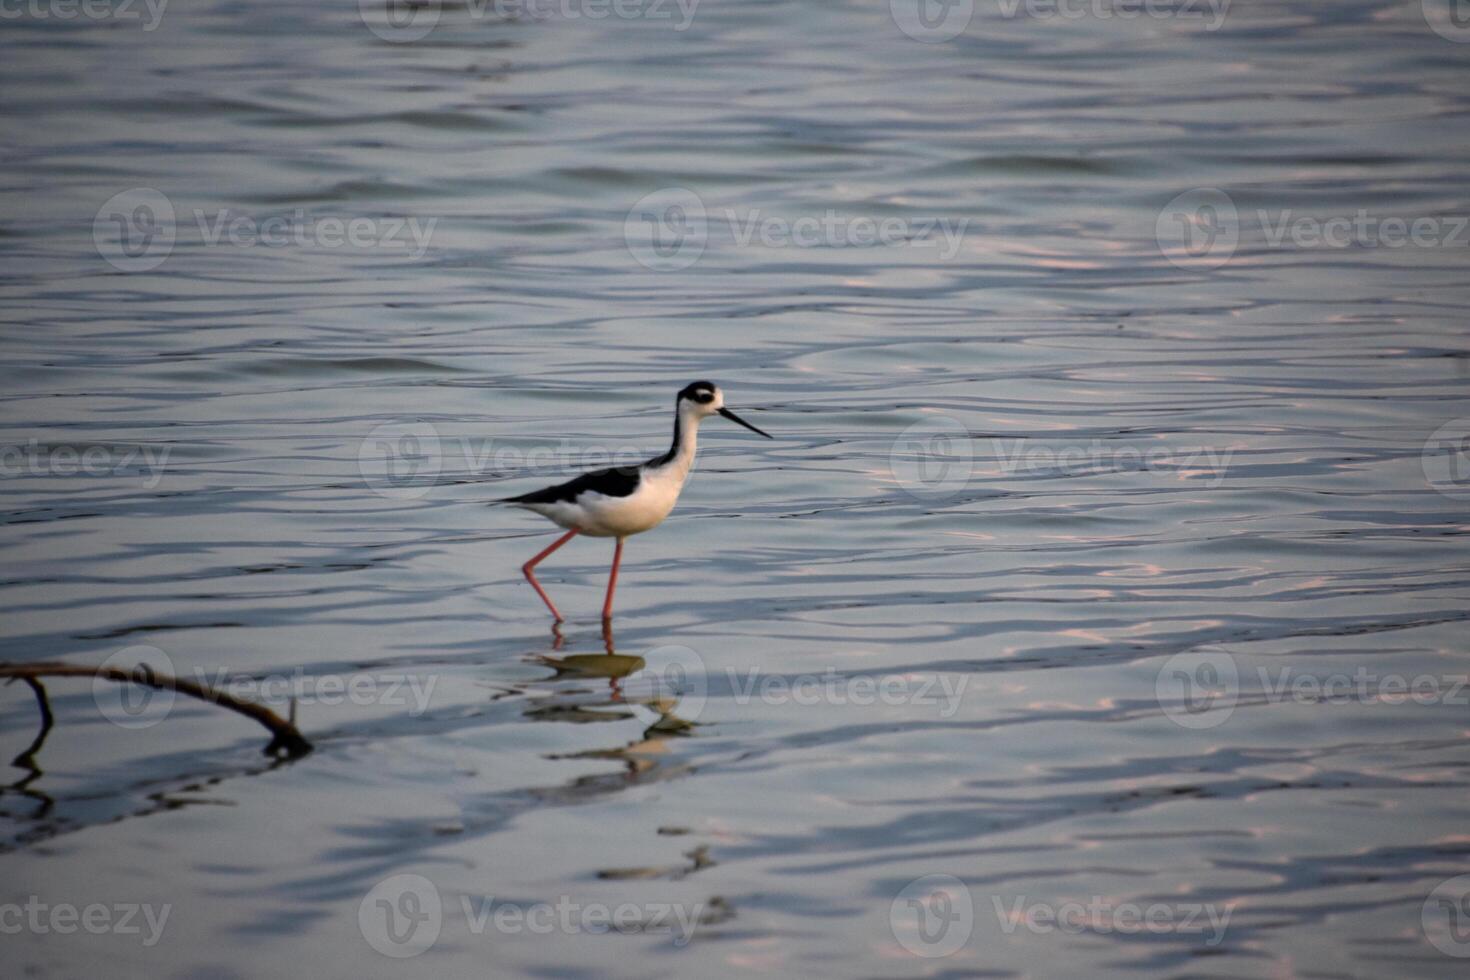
x=286, y=739
x=27, y=759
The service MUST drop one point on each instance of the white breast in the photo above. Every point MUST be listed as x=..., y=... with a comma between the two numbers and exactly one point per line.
x=601, y=516
x=658, y=490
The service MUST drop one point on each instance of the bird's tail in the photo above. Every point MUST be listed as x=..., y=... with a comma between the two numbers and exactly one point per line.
x=519, y=501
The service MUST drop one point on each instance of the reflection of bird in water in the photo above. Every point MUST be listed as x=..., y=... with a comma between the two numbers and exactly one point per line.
x=626, y=500
x=657, y=694
x=558, y=639
x=642, y=758
x=613, y=666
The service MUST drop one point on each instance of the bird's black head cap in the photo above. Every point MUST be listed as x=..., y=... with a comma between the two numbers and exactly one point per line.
x=700, y=391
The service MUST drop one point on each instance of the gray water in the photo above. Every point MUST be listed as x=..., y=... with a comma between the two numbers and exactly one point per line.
x=1102, y=531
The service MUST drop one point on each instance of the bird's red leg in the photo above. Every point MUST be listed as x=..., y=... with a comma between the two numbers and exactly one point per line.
x=612, y=581
x=530, y=576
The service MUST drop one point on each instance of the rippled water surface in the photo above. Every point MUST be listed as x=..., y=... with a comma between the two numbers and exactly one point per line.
x=1098, y=525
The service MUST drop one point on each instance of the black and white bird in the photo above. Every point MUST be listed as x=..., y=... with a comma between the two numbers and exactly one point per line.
x=625, y=500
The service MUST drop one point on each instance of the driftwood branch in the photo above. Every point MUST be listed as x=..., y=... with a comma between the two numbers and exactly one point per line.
x=27, y=759
x=286, y=739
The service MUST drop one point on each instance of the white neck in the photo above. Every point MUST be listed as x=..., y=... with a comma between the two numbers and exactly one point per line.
x=686, y=442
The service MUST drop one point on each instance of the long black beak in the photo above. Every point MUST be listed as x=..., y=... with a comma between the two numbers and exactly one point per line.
x=740, y=421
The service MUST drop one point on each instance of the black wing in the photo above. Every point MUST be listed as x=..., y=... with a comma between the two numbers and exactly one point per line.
x=616, y=482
